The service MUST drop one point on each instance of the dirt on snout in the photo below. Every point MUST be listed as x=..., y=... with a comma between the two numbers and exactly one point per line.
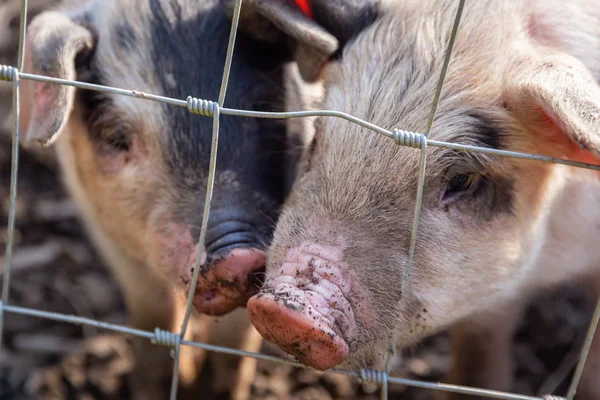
x=55, y=269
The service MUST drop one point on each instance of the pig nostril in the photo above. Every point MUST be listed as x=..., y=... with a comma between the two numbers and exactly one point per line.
x=211, y=294
x=256, y=280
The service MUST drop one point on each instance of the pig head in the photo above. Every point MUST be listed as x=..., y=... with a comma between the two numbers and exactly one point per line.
x=138, y=169
x=335, y=293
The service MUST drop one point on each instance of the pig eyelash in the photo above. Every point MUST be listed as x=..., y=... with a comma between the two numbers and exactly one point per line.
x=110, y=133
x=114, y=136
x=460, y=185
x=118, y=142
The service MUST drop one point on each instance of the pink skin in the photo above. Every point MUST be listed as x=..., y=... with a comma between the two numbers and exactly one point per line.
x=223, y=285
x=228, y=283
x=306, y=308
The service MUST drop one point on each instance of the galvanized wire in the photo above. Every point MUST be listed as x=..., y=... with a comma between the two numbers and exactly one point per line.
x=206, y=108
x=440, y=85
x=420, y=141
x=13, y=74
x=589, y=338
x=316, y=113
x=226, y=350
x=214, y=109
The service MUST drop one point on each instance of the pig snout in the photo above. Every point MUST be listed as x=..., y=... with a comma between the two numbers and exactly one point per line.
x=305, y=307
x=231, y=259
x=234, y=259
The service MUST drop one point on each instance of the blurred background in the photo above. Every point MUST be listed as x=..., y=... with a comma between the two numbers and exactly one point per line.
x=54, y=268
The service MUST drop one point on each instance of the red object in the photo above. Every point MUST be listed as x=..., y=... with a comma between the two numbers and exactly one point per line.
x=305, y=7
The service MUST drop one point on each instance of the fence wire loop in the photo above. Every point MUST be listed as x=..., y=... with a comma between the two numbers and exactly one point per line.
x=410, y=139
x=8, y=73
x=202, y=107
x=166, y=338
x=375, y=377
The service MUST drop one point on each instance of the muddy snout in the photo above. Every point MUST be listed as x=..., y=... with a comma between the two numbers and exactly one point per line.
x=304, y=309
x=230, y=275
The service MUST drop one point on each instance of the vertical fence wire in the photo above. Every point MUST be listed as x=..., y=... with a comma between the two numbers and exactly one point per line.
x=589, y=338
x=420, y=141
x=440, y=85
x=14, y=168
x=209, y=191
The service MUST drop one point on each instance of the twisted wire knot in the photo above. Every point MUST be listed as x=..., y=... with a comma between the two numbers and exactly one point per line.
x=378, y=378
x=410, y=139
x=7, y=73
x=166, y=338
x=203, y=107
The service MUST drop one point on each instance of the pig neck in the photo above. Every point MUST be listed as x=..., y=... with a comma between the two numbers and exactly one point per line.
x=568, y=243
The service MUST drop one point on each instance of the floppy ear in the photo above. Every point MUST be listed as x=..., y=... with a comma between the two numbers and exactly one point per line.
x=558, y=99
x=54, y=41
x=316, y=32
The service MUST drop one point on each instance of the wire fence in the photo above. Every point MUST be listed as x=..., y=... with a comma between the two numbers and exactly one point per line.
x=214, y=110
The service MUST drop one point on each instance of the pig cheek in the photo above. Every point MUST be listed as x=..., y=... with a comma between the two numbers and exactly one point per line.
x=363, y=303
x=106, y=194
x=173, y=252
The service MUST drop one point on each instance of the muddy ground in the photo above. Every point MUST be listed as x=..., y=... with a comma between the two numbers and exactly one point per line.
x=56, y=269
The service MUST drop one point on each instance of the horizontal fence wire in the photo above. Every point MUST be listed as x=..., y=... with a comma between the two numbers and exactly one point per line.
x=297, y=114
x=157, y=337
x=214, y=110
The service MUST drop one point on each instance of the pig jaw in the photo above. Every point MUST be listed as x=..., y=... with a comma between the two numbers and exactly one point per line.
x=308, y=308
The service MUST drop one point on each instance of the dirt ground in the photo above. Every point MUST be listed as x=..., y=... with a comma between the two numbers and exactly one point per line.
x=56, y=269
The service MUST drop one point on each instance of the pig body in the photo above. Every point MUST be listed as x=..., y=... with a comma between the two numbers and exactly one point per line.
x=138, y=169
x=523, y=77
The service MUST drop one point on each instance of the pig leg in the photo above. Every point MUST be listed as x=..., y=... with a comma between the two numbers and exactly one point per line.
x=151, y=376
x=234, y=330
x=589, y=386
x=252, y=342
x=482, y=349
x=153, y=303
x=191, y=359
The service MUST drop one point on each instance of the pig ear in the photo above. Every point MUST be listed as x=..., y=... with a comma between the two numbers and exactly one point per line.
x=317, y=28
x=54, y=41
x=558, y=99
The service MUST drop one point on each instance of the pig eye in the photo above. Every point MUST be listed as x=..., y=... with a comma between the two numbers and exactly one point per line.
x=115, y=142
x=313, y=145
x=461, y=184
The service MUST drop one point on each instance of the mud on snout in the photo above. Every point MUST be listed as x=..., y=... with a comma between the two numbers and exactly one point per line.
x=227, y=278
x=307, y=306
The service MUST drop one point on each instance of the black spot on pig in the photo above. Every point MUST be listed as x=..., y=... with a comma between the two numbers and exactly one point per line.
x=255, y=80
x=493, y=194
x=488, y=132
x=345, y=27
x=251, y=178
x=125, y=36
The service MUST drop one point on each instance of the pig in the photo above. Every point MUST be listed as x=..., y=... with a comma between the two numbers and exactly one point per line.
x=137, y=169
x=492, y=230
